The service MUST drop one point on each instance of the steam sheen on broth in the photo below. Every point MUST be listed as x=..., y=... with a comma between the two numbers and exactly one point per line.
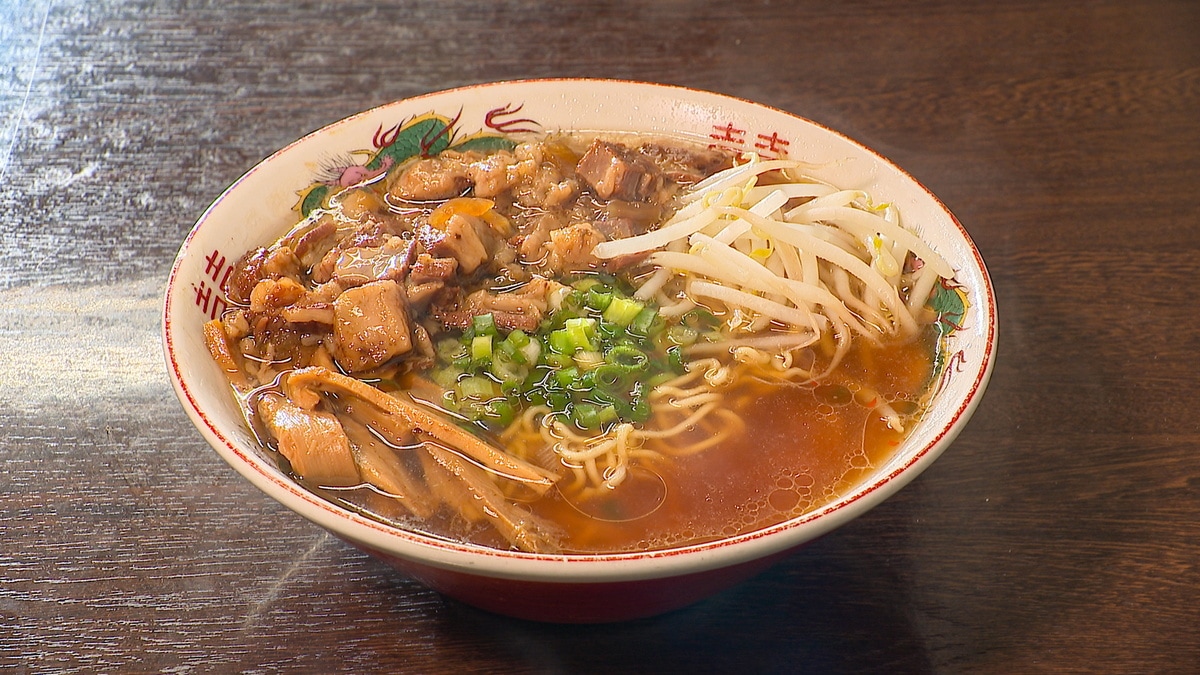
x=584, y=343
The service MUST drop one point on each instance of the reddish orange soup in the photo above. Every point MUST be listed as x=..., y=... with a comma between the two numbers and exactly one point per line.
x=804, y=445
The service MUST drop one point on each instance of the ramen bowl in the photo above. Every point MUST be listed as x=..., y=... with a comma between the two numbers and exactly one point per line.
x=263, y=203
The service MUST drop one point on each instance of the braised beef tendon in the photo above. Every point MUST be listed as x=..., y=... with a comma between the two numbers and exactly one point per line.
x=371, y=326
x=614, y=171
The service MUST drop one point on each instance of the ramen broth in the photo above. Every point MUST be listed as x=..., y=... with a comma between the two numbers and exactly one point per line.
x=804, y=446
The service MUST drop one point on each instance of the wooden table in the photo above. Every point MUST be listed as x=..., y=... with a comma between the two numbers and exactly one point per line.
x=1059, y=533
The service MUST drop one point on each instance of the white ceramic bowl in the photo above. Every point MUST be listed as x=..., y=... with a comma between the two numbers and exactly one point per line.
x=258, y=208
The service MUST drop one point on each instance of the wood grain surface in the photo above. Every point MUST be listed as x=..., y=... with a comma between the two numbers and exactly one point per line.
x=1060, y=532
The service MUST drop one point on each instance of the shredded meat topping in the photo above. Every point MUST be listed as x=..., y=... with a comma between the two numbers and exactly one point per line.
x=373, y=279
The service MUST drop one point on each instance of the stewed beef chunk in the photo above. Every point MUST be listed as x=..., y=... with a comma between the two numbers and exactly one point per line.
x=616, y=172
x=371, y=325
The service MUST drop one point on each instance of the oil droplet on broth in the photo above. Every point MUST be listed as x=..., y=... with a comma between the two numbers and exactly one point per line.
x=639, y=495
x=783, y=501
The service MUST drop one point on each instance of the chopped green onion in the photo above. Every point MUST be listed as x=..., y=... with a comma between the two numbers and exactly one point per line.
x=501, y=411
x=588, y=360
x=584, y=383
x=675, y=358
x=591, y=416
x=566, y=377
x=682, y=335
x=700, y=318
x=586, y=284
x=513, y=388
x=640, y=409
x=609, y=331
x=643, y=323
x=558, y=400
x=622, y=311
x=557, y=359
x=531, y=351
x=481, y=349
x=581, y=332
x=599, y=300
x=559, y=342
x=446, y=377
x=506, y=367
x=477, y=387
x=484, y=324
x=628, y=357
x=592, y=358
x=609, y=376
x=518, y=339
